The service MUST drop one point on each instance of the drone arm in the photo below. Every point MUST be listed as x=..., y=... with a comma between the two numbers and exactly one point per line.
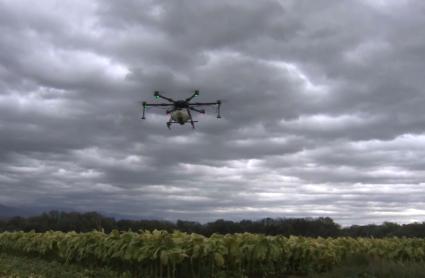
x=145, y=105
x=158, y=95
x=195, y=94
x=156, y=104
x=218, y=103
x=202, y=111
x=171, y=110
x=202, y=103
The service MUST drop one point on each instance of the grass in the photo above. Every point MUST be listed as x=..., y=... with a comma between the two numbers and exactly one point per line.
x=17, y=266
x=360, y=268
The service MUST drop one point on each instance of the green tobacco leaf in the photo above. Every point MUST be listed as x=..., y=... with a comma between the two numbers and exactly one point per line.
x=219, y=259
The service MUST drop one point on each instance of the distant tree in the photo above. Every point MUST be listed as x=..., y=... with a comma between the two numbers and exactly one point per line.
x=189, y=227
x=15, y=224
x=412, y=230
x=221, y=226
x=311, y=227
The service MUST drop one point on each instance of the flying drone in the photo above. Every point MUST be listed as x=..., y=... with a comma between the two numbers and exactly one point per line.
x=180, y=110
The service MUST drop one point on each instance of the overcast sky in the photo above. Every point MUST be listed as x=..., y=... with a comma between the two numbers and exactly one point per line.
x=323, y=108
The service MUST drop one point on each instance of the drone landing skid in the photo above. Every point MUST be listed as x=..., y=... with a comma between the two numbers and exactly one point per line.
x=174, y=122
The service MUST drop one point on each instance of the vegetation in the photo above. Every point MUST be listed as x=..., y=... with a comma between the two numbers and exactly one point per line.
x=163, y=254
x=216, y=249
x=310, y=227
x=22, y=266
x=375, y=269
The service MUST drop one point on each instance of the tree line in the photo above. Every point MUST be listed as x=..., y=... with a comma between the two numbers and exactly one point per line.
x=310, y=227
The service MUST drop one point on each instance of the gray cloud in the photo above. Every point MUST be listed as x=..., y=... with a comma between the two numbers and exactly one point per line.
x=322, y=108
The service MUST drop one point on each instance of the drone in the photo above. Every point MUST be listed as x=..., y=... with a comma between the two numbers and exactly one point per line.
x=180, y=110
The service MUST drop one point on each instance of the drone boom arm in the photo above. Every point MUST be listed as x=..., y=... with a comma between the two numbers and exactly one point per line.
x=203, y=103
x=202, y=111
x=158, y=95
x=145, y=104
x=195, y=94
x=157, y=104
x=218, y=103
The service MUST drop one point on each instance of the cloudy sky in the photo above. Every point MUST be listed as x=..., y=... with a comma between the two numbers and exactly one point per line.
x=323, y=108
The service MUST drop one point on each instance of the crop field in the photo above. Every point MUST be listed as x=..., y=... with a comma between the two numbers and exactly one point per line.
x=18, y=266
x=177, y=254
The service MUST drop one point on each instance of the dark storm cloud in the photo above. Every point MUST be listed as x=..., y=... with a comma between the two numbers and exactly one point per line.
x=322, y=108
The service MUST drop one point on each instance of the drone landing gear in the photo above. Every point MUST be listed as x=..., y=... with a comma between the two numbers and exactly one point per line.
x=174, y=122
x=191, y=119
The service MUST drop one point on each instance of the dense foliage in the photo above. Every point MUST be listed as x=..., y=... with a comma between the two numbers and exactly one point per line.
x=163, y=254
x=374, y=269
x=24, y=266
x=312, y=227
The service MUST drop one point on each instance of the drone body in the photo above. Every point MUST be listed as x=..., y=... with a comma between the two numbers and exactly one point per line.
x=180, y=116
x=180, y=110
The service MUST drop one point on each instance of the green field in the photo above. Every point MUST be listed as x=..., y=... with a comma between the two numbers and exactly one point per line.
x=162, y=254
x=23, y=266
